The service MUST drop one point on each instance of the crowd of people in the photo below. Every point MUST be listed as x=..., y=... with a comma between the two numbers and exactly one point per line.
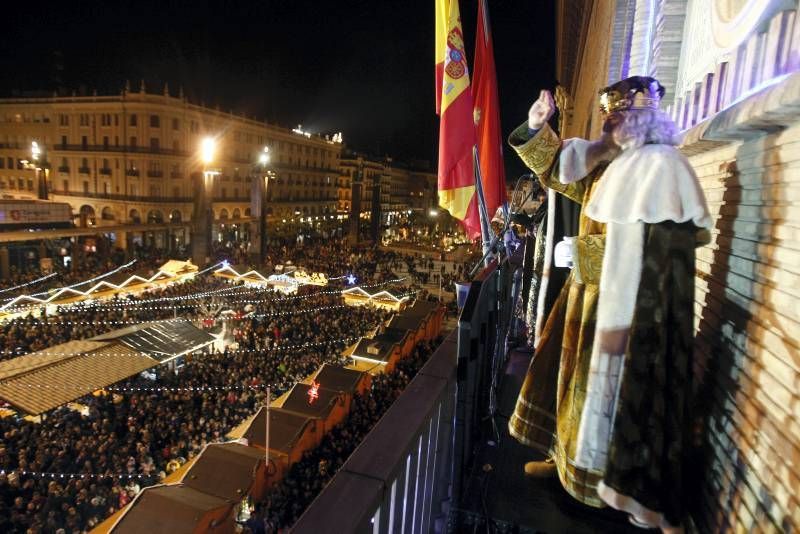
x=126, y=432
x=29, y=333
x=81, y=463
x=306, y=478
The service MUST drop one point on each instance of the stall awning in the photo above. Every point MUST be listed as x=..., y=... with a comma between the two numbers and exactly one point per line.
x=38, y=382
x=163, y=340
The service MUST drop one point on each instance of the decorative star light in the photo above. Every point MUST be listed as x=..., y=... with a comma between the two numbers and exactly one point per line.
x=224, y=263
x=351, y=279
x=313, y=392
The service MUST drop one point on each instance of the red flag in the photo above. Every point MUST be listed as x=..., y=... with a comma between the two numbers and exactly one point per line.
x=487, y=115
x=457, y=192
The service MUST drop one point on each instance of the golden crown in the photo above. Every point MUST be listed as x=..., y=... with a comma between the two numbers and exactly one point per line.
x=636, y=92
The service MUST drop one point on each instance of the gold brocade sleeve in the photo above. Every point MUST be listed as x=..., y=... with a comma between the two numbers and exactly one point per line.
x=540, y=154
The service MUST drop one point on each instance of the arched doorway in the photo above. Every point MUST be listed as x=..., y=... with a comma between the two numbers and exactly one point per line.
x=134, y=217
x=175, y=216
x=87, y=216
x=155, y=217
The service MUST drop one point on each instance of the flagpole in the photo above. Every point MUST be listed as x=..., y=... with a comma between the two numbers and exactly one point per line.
x=266, y=434
x=486, y=235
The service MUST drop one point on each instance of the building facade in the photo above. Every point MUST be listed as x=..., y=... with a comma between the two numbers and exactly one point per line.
x=133, y=159
x=732, y=73
x=403, y=186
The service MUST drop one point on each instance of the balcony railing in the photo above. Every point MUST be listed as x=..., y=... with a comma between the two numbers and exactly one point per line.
x=105, y=172
x=132, y=172
x=155, y=174
x=408, y=473
x=128, y=198
x=398, y=477
x=122, y=148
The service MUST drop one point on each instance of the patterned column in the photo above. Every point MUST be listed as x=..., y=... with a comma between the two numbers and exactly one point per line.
x=667, y=41
x=642, y=37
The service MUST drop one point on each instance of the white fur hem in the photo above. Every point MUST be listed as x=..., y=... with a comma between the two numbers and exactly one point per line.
x=641, y=513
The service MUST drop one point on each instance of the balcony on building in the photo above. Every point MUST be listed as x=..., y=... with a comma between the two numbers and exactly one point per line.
x=440, y=459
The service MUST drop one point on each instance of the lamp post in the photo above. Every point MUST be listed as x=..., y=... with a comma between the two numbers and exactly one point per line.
x=203, y=218
x=258, y=207
x=39, y=163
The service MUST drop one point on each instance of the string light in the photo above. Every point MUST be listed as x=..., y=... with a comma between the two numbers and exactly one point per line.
x=46, y=474
x=276, y=348
x=99, y=277
x=32, y=282
x=192, y=296
x=243, y=317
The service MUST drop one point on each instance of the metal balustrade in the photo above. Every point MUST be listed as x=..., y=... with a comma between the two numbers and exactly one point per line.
x=406, y=476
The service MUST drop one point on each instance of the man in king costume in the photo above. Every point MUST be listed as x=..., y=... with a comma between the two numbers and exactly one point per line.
x=633, y=283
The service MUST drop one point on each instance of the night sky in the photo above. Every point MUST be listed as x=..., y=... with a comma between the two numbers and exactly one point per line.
x=361, y=67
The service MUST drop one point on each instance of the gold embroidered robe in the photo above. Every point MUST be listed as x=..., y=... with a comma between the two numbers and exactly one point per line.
x=550, y=403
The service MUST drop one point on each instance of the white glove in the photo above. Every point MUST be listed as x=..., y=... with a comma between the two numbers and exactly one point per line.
x=562, y=254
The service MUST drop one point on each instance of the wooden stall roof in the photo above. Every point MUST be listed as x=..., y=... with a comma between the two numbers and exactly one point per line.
x=225, y=470
x=167, y=510
x=404, y=322
x=161, y=340
x=380, y=347
x=38, y=383
x=285, y=429
x=338, y=378
x=420, y=308
x=298, y=401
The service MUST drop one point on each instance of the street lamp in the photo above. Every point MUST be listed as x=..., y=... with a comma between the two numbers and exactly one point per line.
x=208, y=147
x=40, y=168
x=263, y=159
x=203, y=219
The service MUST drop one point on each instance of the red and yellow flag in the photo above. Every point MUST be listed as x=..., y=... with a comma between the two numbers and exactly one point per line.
x=456, y=129
x=487, y=115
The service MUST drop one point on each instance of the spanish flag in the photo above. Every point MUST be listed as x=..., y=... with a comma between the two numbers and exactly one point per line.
x=456, y=129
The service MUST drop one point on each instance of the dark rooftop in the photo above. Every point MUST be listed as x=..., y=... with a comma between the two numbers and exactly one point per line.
x=338, y=378
x=285, y=428
x=298, y=401
x=163, y=340
x=225, y=470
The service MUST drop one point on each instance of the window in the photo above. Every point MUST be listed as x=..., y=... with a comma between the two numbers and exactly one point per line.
x=105, y=164
x=30, y=184
x=176, y=145
x=154, y=143
x=105, y=119
x=84, y=142
x=105, y=142
x=155, y=122
x=63, y=120
x=10, y=163
x=224, y=193
x=132, y=144
x=2, y=163
x=86, y=186
x=106, y=188
x=133, y=121
x=176, y=192
x=176, y=124
x=63, y=140
x=84, y=117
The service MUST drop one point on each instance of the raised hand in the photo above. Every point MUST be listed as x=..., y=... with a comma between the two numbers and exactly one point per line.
x=541, y=110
